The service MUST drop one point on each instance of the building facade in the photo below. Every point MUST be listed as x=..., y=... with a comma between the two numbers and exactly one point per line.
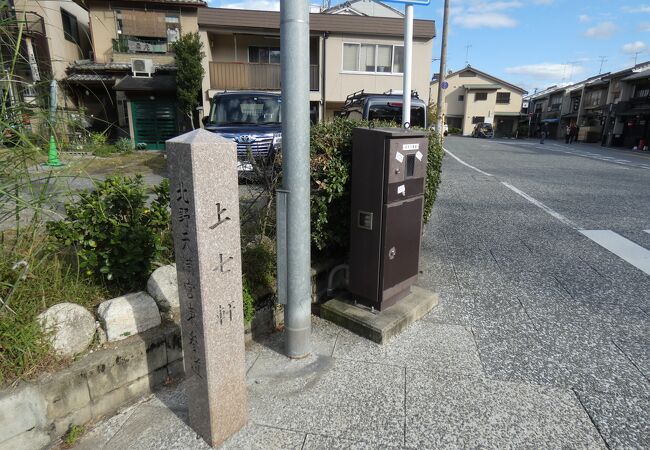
x=348, y=53
x=612, y=108
x=473, y=96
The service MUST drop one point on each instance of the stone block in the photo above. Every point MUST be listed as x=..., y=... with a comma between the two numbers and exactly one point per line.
x=380, y=326
x=70, y=327
x=174, y=342
x=65, y=392
x=77, y=417
x=135, y=359
x=21, y=410
x=35, y=439
x=128, y=315
x=163, y=287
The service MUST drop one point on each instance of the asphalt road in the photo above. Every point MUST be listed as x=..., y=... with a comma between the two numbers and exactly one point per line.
x=543, y=251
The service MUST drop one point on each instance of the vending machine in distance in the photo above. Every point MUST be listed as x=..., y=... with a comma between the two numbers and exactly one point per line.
x=388, y=176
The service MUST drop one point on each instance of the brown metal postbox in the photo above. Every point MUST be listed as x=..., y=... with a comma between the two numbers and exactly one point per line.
x=388, y=176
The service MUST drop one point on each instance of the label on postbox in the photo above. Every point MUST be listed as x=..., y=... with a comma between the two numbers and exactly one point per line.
x=399, y=157
x=401, y=189
x=411, y=147
x=419, y=155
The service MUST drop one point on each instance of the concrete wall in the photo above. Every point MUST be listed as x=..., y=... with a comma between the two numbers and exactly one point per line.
x=62, y=51
x=339, y=84
x=469, y=107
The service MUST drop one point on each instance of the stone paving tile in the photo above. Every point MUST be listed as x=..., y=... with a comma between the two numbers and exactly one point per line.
x=638, y=350
x=555, y=358
x=462, y=412
x=317, y=442
x=600, y=320
x=624, y=422
x=437, y=348
x=336, y=397
x=258, y=437
x=484, y=309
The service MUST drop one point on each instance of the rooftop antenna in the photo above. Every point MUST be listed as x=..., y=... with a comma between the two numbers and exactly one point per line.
x=467, y=47
x=636, y=55
x=602, y=60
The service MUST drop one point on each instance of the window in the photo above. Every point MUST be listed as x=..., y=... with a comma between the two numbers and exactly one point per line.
x=503, y=97
x=478, y=119
x=642, y=91
x=70, y=28
x=373, y=58
x=575, y=104
x=480, y=96
x=173, y=28
x=264, y=55
x=461, y=98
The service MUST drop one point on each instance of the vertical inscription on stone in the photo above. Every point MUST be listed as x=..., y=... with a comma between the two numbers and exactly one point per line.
x=205, y=210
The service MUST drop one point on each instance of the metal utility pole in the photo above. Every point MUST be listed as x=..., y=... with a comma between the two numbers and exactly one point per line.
x=467, y=47
x=408, y=60
x=602, y=61
x=443, y=68
x=294, y=45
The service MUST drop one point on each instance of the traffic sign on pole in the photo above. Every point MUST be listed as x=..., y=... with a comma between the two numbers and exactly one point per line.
x=444, y=85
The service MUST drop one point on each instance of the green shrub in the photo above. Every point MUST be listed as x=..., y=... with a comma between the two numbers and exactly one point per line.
x=112, y=232
x=454, y=130
x=124, y=145
x=103, y=150
x=259, y=267
x=73, y=434
x=98, y=138
x=249, y=302
x=331, y=150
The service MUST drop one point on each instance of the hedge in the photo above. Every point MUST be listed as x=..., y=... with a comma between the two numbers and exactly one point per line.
x=331, y=152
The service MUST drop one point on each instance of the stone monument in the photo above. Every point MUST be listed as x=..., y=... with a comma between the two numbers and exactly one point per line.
x=205, y=218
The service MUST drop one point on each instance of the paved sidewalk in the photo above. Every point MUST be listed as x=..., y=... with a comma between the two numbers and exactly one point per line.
x=530, y=347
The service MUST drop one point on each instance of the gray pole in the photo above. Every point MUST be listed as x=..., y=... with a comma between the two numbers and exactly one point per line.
x=408, y=63
x=294, y=45
x=443, y=68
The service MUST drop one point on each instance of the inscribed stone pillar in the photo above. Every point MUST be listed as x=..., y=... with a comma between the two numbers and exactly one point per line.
x=205, y=209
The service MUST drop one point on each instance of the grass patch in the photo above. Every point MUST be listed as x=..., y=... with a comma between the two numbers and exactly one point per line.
x=125, y=164
x=73, y=434
x=50, y=278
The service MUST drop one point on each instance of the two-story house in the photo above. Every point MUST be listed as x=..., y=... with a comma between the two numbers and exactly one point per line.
x=348, y=52
x=474, y=96
x=128, y=85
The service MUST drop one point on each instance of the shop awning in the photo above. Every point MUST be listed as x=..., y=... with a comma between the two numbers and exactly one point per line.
x=550, y=120
x=509, y=114
x=156, y=83
x=635, y=112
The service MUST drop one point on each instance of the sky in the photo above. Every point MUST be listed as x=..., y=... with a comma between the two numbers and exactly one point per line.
x=530, y=43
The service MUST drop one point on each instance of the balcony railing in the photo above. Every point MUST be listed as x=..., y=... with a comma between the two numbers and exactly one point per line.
x=265, y=77
x=127, y=44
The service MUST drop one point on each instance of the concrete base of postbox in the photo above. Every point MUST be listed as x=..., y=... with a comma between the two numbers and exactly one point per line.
x=379, y=326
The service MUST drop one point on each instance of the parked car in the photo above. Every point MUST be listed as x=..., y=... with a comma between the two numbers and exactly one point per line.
x=253, y=120
x=483, y=130
x=362, y=105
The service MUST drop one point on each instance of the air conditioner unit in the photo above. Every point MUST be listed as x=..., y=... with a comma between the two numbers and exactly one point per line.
x=142, y=67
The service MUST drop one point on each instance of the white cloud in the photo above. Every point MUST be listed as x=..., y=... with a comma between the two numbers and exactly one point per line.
x=482, y=7
x=259, y=5
x=543, y=2
x=546, y=71
x=486, y=20
x=583, y=18
x=634, y=47
x=602, y=30
x=637, y=9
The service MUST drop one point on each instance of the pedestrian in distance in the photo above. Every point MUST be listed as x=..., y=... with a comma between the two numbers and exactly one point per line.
x=544, y=133
x=572, y=133
x=567, y=134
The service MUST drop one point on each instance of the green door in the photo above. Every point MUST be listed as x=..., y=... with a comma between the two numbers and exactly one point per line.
x=154, y=122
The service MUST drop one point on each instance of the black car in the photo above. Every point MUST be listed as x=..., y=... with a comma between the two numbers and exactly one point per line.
x=387, y=106
x=483, y=130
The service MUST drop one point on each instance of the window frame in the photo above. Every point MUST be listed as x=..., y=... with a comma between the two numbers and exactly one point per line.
x=474, y=121
x=376, y=53
x=477, y=99
x=72, y=22
x=269, y=51
x=461, y=97
x=502, y=94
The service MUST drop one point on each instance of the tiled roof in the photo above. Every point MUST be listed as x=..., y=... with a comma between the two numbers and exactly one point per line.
x=90, y=77
x=179, y=2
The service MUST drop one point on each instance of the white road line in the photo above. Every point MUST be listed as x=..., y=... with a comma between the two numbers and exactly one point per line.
x=541, y=205
x=465, y=164
x=625, y=249
x=647, y=231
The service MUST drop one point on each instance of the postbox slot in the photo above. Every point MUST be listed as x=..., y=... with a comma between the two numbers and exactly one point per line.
x=410, y=165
